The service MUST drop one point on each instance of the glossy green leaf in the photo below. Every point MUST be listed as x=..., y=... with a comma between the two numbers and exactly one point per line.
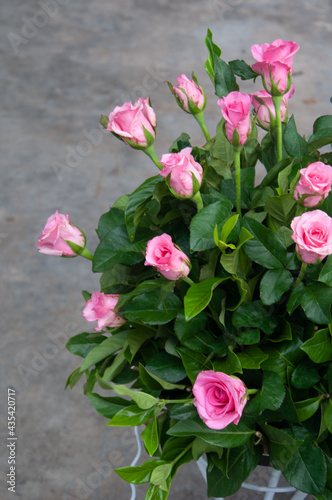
x=193, y=362
x=199, y=447
x=305, y=375
x=283, y=355
x=107, y=406
x=319, y=348
x=73, y=378
x=251, y=358
x=281, y=446
x=156, y=383
x=256, y=315
x=294, y=143
x=307, y=408
x=141, y=474
x=326, y=273
x=142, y=399
x=199, y=295
x=83, y=343
x=230, y=365
x=316, y=303
x=328, y=415
x=150, y=309
x=166, y=367
x=271, y=395
x=106, y=348
x=274, y=284
x=132, y=416
x=160, y=474
x=282, y=209
x=203, y=223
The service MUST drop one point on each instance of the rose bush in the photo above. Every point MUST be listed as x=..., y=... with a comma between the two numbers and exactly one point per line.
x=214, y=312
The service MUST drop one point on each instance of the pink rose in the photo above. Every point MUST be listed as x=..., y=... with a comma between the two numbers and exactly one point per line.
x=169, y=261
x=180, y=166
x=315, y=181
x=188, y=89
x=219, y=398
x=128, y=121
x=101, y=308
x=264, y=107
x=58, y=228
x=235, y=109
x=274, y=62
x=312, y=233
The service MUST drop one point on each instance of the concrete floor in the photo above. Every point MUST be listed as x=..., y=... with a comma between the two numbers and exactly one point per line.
x=60, y=71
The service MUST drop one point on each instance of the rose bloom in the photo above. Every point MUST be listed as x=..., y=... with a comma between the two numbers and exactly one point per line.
x=169, y=261
x=235, y=109
x=315, y=180
x=189, y=89
x=274, y=61
x=265, y=109
x=180, y=166
x=128, y=121
x=312, y=233
x=58, y=228
x=101, y=308
x=219, y=398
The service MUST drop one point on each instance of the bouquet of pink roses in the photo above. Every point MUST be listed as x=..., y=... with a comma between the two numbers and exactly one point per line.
x=213, y=322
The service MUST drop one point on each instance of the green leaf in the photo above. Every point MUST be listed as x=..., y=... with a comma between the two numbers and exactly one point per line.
x=266, y=248
x=117, y=275
x=132, y=416
x=150, y=309
x=156, y=383
x=319, y=348
x=229, y=437
x=222, y=153
x=193, y=362
x=142, y=399
x=282, y=356
x=319, y=139
x=106, y=348
x=316, y=302
x=136, y=338
x=230, y=365
x=199, y=295
x=251, y=358
x=141, y=474
x=180, y=143
x=192, y=333
x=281, y=446
x=282, y=209
x=136, y=204
x=307, y=408
x=203, y=223
x=255, y=314
x=248, y=336
x=199, y=447
x=328, y=415
x=326, y=273
x=237, y=465
x=160, y=474
x=82, y=344
x=271, y=395
x=73, y=378
x=166, y=367
x=294, y=143
x=274, y=284
x=242, y=69
x=305, y=375
x=306, y=471
x=323, y=122
x=150, y=436
x=107, y=407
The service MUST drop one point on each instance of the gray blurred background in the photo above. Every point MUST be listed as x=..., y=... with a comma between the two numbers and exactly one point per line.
x=64, y=63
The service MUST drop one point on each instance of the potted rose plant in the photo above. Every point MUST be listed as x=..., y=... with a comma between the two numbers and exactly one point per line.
x=213, y=321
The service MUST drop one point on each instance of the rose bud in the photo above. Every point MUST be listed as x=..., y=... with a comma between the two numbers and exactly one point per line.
x=264, y=107
x=189, y=90
x=181, y=167
x=102, y=308
x=314, y=184
x=219, y=398
x=275, y=64
x=312, y=233
x=169, y=261
x=134, y=123
x=235, y=109
x=57, y=231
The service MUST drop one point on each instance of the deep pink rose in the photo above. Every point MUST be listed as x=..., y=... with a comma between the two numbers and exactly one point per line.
x=128, y=121
x=315, y=181
x=312, y=233
x=169, y=261
x=58, y=228
x=102, y=308
x=180, y=166
x=266, y=108
x=235, y=109
x=219, y=398
x=189, y=89
x=274, y=61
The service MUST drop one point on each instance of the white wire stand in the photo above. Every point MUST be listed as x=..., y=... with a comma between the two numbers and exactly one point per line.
x=270, y=490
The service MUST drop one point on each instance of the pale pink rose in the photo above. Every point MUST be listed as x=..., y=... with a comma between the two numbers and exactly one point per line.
x=180, y=166
x=312, y=233
x=274, y=61
x=315, y=181
x=128, y=121
x=266, y=108
x=58, y=228
x=189, y=89
x=102, y=308
x=235, y=109
x=219, y=398
x=169, y=261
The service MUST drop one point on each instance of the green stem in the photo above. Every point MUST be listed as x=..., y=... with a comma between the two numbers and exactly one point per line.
x=149, y=150
x=188, y=280
x=237, y=164
x=277, y=104
x=198, y=200
x=301, y=274
x=182, y=453
x=86, y=254
x=199, y=117
x=175, y=401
